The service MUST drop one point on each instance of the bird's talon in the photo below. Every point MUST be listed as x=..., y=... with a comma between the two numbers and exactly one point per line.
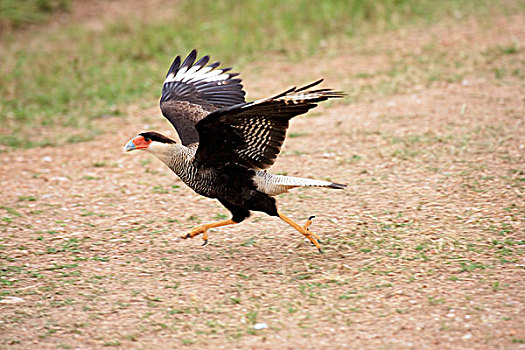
x=320, y=251
x=205, y=242
x=308, y=223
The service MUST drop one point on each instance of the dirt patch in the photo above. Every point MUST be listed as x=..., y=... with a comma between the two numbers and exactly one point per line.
x=424, y=249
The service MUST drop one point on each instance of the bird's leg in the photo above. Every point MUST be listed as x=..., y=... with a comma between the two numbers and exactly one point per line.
x=204, y=229
x=312, y=237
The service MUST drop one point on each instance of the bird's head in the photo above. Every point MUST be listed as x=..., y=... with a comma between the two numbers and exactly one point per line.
x=151, y=141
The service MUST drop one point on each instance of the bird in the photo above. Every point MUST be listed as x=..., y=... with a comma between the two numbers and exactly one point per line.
x=226, y=144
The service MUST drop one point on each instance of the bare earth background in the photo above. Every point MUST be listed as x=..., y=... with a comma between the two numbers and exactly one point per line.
x=424, y=249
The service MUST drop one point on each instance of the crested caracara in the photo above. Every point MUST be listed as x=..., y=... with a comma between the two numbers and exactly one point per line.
x=227, y=143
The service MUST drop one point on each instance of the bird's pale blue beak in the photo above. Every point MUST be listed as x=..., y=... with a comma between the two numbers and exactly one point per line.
x=130, y=146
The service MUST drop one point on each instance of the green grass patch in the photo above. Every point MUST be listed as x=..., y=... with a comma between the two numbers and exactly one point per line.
x=70, y=77
x=17, y=13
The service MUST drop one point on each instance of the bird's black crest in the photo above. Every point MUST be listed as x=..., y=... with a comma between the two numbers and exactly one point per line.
x=155, y=136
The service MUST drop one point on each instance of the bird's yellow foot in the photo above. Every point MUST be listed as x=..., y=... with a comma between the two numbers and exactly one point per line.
x=307, y=224
x=204, y=230
x=312, y=237
x=197, y=231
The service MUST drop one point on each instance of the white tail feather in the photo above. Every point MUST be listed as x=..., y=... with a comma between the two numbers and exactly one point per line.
x=276, y=184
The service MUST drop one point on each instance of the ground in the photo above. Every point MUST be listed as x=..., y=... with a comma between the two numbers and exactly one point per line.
x=423, y=249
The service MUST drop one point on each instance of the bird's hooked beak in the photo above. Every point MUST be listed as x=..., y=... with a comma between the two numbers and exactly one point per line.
x=130, y=146
x=138, y=142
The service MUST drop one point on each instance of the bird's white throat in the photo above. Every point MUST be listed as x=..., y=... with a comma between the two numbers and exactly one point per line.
x=163, y=151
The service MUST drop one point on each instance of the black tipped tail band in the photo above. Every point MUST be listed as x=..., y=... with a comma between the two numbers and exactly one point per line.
x=337, y=186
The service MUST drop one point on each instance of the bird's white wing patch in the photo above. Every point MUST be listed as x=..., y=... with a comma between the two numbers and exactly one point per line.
x=197, y=73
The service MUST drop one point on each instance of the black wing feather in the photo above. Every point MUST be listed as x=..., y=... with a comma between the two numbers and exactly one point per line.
x=251, y=134
x=174, y=66
x=188, y=62
x=193, y=89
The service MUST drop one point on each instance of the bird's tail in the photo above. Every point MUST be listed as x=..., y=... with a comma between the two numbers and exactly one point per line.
x=276, y=184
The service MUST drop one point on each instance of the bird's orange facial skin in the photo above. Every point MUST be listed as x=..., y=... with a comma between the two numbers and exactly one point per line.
x=140, y=142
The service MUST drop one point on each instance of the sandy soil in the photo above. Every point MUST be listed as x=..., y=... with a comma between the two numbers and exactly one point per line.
x=423, y=250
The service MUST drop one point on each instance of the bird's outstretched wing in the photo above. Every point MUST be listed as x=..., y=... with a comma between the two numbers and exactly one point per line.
x=194, y=89
x=252, y=134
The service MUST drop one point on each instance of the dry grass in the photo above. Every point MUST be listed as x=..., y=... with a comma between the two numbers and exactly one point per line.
x=423, y=250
